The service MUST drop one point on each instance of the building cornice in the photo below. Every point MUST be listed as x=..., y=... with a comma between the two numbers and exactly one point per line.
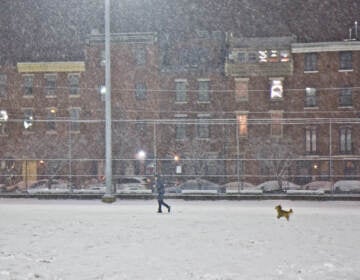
x=350, y=45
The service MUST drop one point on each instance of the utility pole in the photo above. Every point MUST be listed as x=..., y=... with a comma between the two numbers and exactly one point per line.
x=108, y=197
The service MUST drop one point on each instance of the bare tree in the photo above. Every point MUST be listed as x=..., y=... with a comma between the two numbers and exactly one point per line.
x=276, y=157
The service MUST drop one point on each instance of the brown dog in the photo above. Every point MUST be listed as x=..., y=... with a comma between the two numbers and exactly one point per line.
x=283, y=213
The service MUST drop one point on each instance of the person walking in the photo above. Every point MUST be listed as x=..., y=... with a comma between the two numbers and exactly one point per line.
x=161, y=191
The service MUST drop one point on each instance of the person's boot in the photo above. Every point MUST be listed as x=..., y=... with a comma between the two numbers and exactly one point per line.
x=159, y=211
x=169, y=209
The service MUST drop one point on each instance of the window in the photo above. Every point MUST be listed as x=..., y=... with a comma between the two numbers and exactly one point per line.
x=345, y=140
x=252, y=57
x=74, y=118
x=28, y=84
x=350, y=170
x=51, y=115
x=28, y=118
x=310, y=62
x=50, y=85
x=345, y=60
x=242, y=123
x=203, y=130
x=74, y=84
x=276, y=88
x=180, y=127
x=3, y=85
x=140, y=56
x=204, y=90
x=310, y=97
x=3, y=128
x=140, y=91
x=346, y=96
x=241, y=89
x=140, y=127
x=276, y=123
x=241, y=57
x=180, y=131
x=310, y=140
x=180, y=89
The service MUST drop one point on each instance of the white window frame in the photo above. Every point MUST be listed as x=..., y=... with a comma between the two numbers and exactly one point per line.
x=204, y=93
x=50, y=89
x=181, y=94
x=74, y=88
x=28, y=86
x=3, y=85
x=74, y=119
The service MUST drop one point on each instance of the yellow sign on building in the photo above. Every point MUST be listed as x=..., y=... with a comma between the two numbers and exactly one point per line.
x=46, y=67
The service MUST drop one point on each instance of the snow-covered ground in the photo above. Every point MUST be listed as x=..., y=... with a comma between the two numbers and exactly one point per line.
x=207, y=240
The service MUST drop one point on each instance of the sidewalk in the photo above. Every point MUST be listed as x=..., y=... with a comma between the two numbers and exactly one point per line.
x=263, y=196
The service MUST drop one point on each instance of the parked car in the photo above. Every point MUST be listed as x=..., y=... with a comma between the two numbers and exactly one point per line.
x=43, y=186
x=200, y=186
x=273, y=186
x=325, y=186
x=237, y=187
x=347, y=186
x=133, y=184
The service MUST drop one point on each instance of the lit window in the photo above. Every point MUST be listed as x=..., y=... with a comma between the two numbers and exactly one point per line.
x=243, y=127
x=310, y=97
x=273, y=56
x=310, y=140
x=28, y=118
x=276, y=89
x=284, y=56
x=263, y=56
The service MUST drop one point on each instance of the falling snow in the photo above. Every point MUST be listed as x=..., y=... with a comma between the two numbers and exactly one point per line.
x=219, y=240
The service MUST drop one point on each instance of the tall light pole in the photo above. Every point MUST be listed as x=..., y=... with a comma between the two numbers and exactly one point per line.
x=108, y=197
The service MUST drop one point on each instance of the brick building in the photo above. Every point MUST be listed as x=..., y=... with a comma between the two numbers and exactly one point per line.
x=230, y=108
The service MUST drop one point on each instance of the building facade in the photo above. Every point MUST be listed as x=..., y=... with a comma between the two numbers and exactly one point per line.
x=199, y=104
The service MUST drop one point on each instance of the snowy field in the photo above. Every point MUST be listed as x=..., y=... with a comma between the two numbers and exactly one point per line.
x=207, y=240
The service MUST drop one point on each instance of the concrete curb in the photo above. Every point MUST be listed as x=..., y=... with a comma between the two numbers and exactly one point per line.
x=278, y=196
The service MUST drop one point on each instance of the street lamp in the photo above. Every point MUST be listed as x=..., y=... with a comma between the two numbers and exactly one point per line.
x=141, y=155
x=108, y=197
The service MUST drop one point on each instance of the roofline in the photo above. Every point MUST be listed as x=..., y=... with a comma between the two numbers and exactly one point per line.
x=350, y=45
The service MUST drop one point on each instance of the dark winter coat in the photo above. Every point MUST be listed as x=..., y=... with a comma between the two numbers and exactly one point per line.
x=160, y=189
